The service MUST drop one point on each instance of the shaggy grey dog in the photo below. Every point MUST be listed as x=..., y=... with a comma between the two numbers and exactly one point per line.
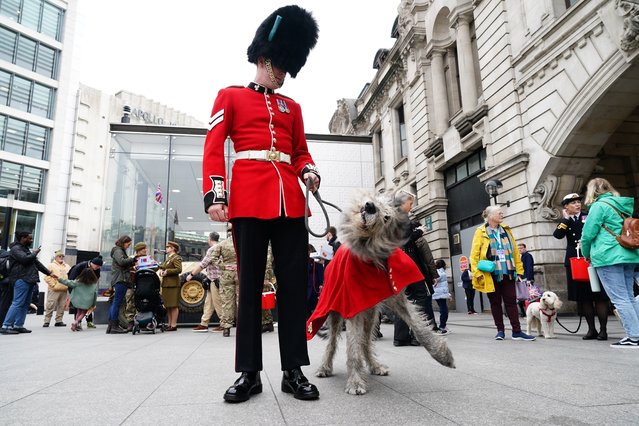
x=372, y=229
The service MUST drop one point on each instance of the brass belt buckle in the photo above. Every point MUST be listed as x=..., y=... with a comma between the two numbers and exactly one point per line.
x=274, y=155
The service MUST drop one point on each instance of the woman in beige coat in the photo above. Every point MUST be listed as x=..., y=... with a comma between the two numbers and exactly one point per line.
x=170, y=272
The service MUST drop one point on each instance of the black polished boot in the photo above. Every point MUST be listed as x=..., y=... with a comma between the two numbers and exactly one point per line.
x=293, y=381
x=248, y=384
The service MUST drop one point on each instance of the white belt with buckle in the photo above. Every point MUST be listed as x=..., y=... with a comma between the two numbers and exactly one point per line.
x=264, y=155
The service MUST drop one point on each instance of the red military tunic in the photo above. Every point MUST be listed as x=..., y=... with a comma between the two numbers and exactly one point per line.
x=255, y=121
x=352, y=285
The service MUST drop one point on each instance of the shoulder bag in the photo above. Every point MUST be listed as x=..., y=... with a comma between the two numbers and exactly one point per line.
x=629, y=237
x=486, y=266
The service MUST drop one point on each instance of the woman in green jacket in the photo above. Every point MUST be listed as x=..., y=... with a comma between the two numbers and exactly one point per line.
x=614, y=264
x=83, y=296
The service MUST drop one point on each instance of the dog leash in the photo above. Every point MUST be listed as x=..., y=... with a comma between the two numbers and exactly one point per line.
x=571, y=332
x=321, y=202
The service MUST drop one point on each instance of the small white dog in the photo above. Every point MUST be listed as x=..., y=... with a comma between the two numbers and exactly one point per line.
x=542, y=315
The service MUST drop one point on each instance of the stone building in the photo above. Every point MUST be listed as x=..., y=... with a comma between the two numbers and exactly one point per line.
x=534, y=97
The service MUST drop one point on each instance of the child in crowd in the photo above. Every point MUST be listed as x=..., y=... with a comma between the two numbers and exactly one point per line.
x=441, y=295
x=83, y=296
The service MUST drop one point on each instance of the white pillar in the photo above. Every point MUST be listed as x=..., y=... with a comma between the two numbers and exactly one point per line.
x=466, y=66
x=440, y=96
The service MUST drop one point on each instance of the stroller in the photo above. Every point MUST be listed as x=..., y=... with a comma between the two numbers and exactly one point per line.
x=148, y=302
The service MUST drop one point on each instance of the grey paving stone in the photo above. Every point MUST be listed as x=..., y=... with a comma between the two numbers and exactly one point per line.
x=54, y=376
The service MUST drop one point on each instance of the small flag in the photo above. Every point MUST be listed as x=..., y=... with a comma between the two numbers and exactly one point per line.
x=158, y=194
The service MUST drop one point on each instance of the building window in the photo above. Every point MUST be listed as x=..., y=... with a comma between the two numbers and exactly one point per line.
x=22, y=220
x=28, y=53
x=403, y=140
x=471, y=166
x=26, y=182
x=570, y=3
x=38, y=15
x=26, y=95
x=22, y=138
x=379, y=151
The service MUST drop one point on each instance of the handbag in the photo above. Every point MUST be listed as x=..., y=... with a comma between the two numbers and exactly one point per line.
x=595, y=285
x=579, y=268
x=629, y=237
x=268, y=299
x=486, y=266
x=521, y=287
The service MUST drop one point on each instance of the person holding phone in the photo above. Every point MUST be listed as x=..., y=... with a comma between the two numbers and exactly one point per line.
x=24, y=275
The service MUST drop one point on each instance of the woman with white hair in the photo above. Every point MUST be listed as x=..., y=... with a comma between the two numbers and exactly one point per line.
x=420, y=293
x=614, y=263
x=496, y=264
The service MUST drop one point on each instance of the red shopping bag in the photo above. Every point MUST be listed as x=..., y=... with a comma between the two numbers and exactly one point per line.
x=579, y=268
x=268, y=299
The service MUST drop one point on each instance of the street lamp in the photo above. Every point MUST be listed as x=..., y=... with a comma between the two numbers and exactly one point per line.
x=492, y=187
x=7, y=220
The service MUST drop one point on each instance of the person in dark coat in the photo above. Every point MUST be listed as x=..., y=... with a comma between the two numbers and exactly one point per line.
x=467, y=284
x=529, y=273
x=24, y=275
x=588, y=303
x=420, y=293
x=315, y=279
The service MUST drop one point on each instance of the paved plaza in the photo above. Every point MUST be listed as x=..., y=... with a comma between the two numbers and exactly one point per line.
x=56, y=377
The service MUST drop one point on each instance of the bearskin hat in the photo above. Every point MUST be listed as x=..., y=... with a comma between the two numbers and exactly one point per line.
x=286, y=41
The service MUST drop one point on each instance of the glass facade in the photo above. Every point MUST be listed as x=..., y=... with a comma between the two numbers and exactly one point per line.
x=26, y=95
x=25, y=92
x=20, y=220
x=153, y=193
x=27, y=53
x=22, y=138
x=24, y=181
x=38, y=15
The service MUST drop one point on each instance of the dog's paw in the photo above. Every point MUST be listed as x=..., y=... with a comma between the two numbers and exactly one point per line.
x=380, y=370
x=324, y=372
x=355, y=389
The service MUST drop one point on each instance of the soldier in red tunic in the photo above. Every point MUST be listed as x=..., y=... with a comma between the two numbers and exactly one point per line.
x=266, y=202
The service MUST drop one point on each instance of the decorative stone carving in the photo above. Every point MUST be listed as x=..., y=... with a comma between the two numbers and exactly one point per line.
x=541, y=199
x=405, y=22
x=629, y=9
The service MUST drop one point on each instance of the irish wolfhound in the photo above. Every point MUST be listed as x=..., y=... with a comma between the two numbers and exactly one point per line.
x=369, y=269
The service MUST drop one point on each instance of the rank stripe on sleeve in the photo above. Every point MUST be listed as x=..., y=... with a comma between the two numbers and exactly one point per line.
x=216, y=119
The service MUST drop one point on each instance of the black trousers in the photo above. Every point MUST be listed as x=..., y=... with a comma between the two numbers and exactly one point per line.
x=418, y=294
x=289, y=243
x=470, y=299
x=6, y=297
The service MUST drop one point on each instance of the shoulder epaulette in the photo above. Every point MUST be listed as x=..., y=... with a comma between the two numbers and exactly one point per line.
x=284, y=96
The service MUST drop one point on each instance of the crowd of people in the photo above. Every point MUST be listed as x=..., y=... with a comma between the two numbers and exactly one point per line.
x=270, y=249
